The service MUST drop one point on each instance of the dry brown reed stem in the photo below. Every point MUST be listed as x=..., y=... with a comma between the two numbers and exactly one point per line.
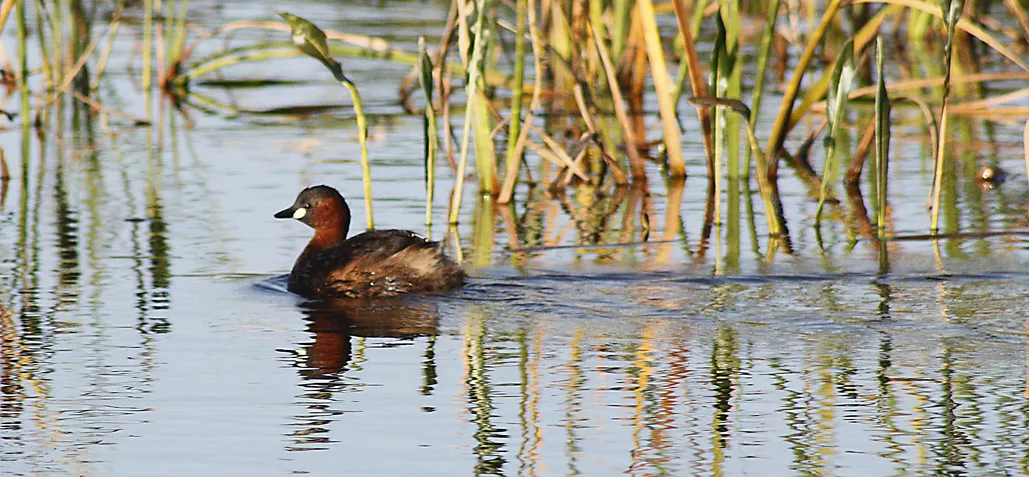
x=445, y=83
x=5, y=11
x=927, y=114
x=857, y=161
x=101, y=63
x=697, y=84
x=863, y=226
x=101, y=108
x=5, y=174
x=564, y=159
x=566, y=176
x=938, y=81
x=580, y=100
x=815, y=93
x=363, y=41
x=663, y=88
x=963, y=24
x=514, y=242
x=636, y=164
x=69, y=77
x=1016, y=10
x=981, y=104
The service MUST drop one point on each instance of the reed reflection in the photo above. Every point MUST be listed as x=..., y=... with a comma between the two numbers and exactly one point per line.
x=325, y=361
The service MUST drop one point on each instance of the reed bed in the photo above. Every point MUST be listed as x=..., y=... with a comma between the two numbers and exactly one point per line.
x=594, y=93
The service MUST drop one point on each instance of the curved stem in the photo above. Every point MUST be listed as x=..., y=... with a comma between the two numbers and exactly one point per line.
x=362, y=133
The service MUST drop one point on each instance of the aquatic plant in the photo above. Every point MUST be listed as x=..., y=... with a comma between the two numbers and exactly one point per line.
x=600, y=71
x=310, y=39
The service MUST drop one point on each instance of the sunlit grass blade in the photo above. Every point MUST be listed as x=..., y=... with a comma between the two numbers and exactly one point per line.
x=473, y=97
x=621, y=14
x=882, y=139
x=636, y=164
x=663, y=87
x=515, y=122
x=835, y=104
x=1019, y=13
x=23, y=67
x=952, y=10
x=767, y=34
x=732, y=76
x=310, y=39
x=511, y=174
x=697, y=84
x=780, y=126
x=147, y=49
x=817, y=90
x=960, y=23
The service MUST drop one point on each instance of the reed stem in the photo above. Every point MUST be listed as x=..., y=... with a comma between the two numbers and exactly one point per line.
x=362, y=134
x=430, y=129
x=148, y=39
x=23, y=67
x=882, y=140
x=515, y=122
x=952, y=15
x=663, y=87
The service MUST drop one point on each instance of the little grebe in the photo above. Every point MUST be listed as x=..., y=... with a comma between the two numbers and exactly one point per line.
x=376, y=263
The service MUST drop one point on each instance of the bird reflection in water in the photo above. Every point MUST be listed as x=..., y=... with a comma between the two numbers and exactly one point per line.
x=324, y=363
x=334, y=324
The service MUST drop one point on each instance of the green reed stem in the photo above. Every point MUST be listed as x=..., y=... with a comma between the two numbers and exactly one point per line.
x=779, y=127
x=430, y=129
x=718, y=84
x=23, y=67
x=835, y=105
x=362, y=134
x=44, y=52
x=175, y=54
x=767, y=35
x=882, y=139
x=952, y=14
x=485, y=151
x=101, y=63
x=148, y=45
x=516, y=90
x=775, y=222
x=620, y=27
x=472, y=93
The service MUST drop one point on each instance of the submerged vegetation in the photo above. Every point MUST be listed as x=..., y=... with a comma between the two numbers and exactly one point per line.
x=569, y=89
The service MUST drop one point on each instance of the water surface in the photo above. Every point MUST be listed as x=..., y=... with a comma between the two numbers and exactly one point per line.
x=145, y=331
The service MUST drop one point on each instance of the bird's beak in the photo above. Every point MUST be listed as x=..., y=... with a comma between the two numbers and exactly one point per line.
x=286, y=213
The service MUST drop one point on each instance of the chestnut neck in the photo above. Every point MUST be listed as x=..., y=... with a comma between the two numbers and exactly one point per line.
x=331, y=222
